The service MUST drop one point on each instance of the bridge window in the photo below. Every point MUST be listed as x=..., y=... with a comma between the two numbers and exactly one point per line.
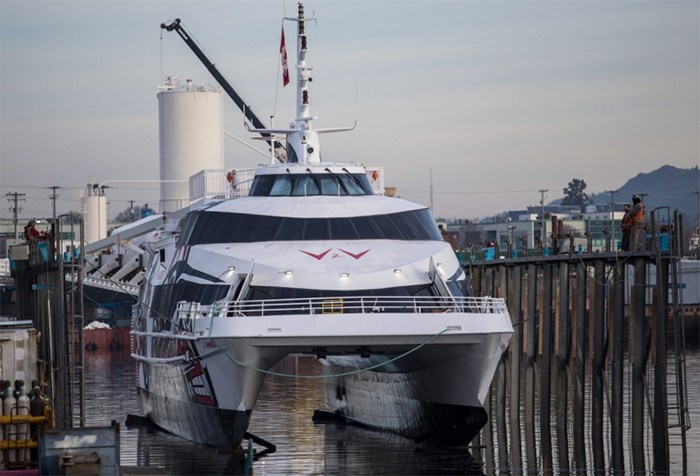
x=204, y=227
x=302, y=185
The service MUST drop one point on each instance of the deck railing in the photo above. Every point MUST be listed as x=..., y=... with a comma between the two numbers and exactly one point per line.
x=344, y=305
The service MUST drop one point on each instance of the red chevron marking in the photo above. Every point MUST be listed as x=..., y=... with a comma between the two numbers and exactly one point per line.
x=317, y=256
x=356, y=256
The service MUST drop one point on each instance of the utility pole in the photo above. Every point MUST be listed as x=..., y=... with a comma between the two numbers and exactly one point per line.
x=14, y=197
x=697, y=223
x=53, y=197
x=612, y=215
x=697, y=226
x=131, y=210
x=543, y=229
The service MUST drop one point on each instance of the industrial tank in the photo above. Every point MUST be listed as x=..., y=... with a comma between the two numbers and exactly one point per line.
x=191, y=138
x=93, y=206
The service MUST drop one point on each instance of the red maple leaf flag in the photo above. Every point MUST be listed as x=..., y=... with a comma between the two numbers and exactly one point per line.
x=283, y=54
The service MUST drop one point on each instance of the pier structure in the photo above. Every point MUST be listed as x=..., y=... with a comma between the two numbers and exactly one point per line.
x=49, y=285
x=597, y=334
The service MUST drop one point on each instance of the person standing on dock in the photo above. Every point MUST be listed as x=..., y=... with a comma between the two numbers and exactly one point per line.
x=636, y=222
x=32, y=234
x=626, y=227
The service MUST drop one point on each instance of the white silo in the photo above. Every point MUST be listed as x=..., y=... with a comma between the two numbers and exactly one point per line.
x=93, y=206
x=191, y=138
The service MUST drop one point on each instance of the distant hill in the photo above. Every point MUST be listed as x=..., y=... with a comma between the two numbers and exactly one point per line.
x=667, y=186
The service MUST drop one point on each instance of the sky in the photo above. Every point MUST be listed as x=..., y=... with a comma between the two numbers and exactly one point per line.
x=494, y=100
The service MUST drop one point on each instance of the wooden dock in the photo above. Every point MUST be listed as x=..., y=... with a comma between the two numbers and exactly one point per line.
x=595, y=333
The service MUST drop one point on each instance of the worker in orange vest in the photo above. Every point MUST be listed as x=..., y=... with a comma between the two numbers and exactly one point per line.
x=637, y=215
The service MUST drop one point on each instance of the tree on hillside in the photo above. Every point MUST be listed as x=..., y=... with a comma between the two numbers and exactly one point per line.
x=574, y=193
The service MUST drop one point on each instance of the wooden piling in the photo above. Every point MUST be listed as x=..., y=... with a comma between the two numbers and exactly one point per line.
x=616, y=327
x=502, y=379
x=638, y=356
x=487, y=435
x=562, y=352
x=545, y=368
x=660, y=421
x=530, y=345
x=597, y=321
x=516, y=315
x=475, y=273
x=579, y=364
x=500, y=402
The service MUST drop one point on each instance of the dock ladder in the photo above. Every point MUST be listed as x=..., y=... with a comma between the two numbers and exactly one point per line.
x=668, y=243
x=71, y=363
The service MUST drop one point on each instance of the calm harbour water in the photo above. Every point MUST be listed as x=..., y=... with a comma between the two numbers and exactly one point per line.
x=283, y=417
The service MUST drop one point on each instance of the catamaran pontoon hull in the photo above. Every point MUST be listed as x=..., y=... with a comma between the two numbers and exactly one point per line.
x=422, y=376
x=441, y=403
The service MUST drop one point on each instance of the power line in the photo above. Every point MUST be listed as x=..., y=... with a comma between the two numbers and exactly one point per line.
x=468, y=192
x=35, y=187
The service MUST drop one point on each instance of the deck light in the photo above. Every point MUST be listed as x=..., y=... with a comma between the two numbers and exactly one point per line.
x=231, y=269
x=397, y=271
x=344, y=275
x=288, y=272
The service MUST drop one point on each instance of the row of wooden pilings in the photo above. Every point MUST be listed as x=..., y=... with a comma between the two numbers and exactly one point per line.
x=585, y=328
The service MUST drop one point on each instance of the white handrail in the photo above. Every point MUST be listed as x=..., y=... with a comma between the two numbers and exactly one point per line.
x=345, y=305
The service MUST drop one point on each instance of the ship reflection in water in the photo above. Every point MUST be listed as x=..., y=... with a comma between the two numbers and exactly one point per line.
x=283, y=417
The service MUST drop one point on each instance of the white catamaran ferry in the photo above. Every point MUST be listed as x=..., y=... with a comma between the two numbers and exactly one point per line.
x=313, y=260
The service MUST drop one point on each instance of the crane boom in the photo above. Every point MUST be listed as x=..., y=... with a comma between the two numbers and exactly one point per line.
x=279, y=149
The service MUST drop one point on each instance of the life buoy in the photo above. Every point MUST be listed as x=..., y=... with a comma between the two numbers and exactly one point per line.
x=375, y=175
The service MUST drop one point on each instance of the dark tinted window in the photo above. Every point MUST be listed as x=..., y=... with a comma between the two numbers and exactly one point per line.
x=301, y=185
x=202, y=227
x=373, y=300
x=262, y=293
x=166, y=297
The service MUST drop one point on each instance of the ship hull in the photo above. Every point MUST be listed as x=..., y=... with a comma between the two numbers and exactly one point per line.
x=199, y=423
x=435, y=397
x=198, y=393
x=398, y=373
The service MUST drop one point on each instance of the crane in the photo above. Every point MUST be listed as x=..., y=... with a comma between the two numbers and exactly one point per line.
x=278, y=148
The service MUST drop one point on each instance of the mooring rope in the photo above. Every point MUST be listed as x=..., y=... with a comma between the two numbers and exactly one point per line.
x=342, y=374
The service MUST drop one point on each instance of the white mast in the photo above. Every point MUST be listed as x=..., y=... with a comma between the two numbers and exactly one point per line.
x=303, y=144
x=304, y=141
